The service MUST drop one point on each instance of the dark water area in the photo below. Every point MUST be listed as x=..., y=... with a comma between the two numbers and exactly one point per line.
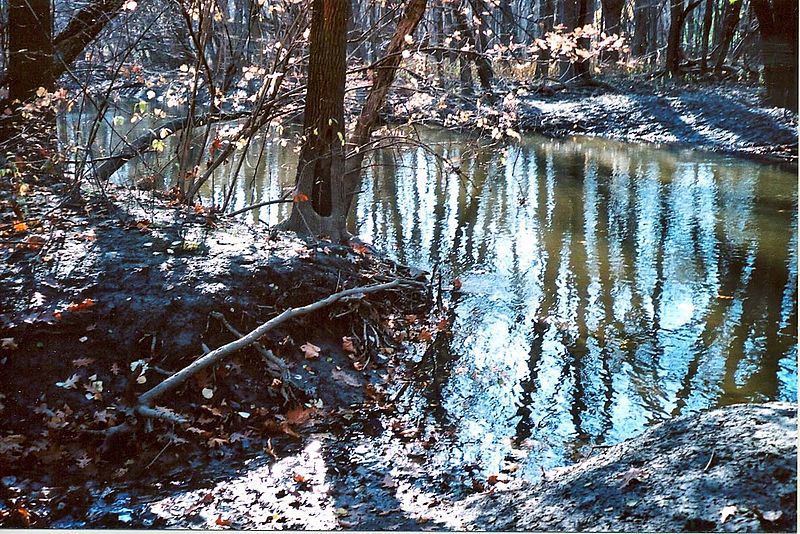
x=605, y=287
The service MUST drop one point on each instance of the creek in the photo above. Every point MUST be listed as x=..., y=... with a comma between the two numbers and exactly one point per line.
x=604, y=287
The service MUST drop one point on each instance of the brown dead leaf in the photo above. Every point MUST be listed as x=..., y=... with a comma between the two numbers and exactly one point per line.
x=726, y=513
x=345, y=377
x=222, y=522
x=287, y=429
x=347, y=344
x=425, y=336
x=8, y=343
x=442, y=324
x=631, y=475
x=81, y=306
x=310, y=351
x=82, y=362
x=358, y=248
x=457, y=284
x=299, y=415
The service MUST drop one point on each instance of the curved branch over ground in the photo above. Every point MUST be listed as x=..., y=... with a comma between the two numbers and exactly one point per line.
x=252, y=337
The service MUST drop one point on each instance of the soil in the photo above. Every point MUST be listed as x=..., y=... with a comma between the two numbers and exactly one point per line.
x=733, y=469
x=106, y=279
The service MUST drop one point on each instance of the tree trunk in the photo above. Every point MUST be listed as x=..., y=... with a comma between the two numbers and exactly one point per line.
x=30, y=48
x=707, y=19
x=778, y=23
x=485, y=73
x=643, y=20
x=546, y=23
x=320, y=198
x=385, y=72
x=677, y=17
x=612, y=15
x=674, y=38
x=732, y=13
x=576, y=14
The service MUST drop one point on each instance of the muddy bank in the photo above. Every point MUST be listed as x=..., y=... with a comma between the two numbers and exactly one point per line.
x=727, y=118
x=106, y=294
x=731, y=469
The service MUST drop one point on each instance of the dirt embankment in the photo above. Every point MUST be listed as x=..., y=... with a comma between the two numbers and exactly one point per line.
x=102, y=298
x=727, y=119
x=732, y=470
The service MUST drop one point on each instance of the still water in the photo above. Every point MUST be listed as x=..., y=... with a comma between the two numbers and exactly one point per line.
x=606, y=286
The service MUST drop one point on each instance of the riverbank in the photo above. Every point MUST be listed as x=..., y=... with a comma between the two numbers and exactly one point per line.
x=726, y=118
x=107, y=293
x=733, y=469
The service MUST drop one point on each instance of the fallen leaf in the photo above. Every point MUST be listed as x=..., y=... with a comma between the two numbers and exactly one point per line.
x=631, y=475
x=300, y=479
x=298, y=416
x=425, y=336
x=80, y=306
x=457, y=284
x=772, y=515
x=442, y=324
x=8, y=343
x=223, y=522
x=300, y=197
x=726, y=513
x=347, y=344
x=310, y=351
x=20, y=227
x=358, y=248
x=82, y=362
x=341, y=512
x=69, y=383
x=345, y=377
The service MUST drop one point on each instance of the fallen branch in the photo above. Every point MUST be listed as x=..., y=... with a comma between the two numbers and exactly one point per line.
x=217, y=354
x=275, y=366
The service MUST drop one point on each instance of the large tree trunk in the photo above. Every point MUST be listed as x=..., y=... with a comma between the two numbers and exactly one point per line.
x=320, y=196
x=778, y=23
x=30, y=48
x=323, y=175
x=612, y=15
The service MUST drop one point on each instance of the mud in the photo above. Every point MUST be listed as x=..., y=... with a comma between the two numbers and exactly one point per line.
x=733, y=469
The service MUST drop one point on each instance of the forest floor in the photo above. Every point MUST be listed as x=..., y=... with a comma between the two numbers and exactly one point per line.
x=105, y=293
x=724, y=117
